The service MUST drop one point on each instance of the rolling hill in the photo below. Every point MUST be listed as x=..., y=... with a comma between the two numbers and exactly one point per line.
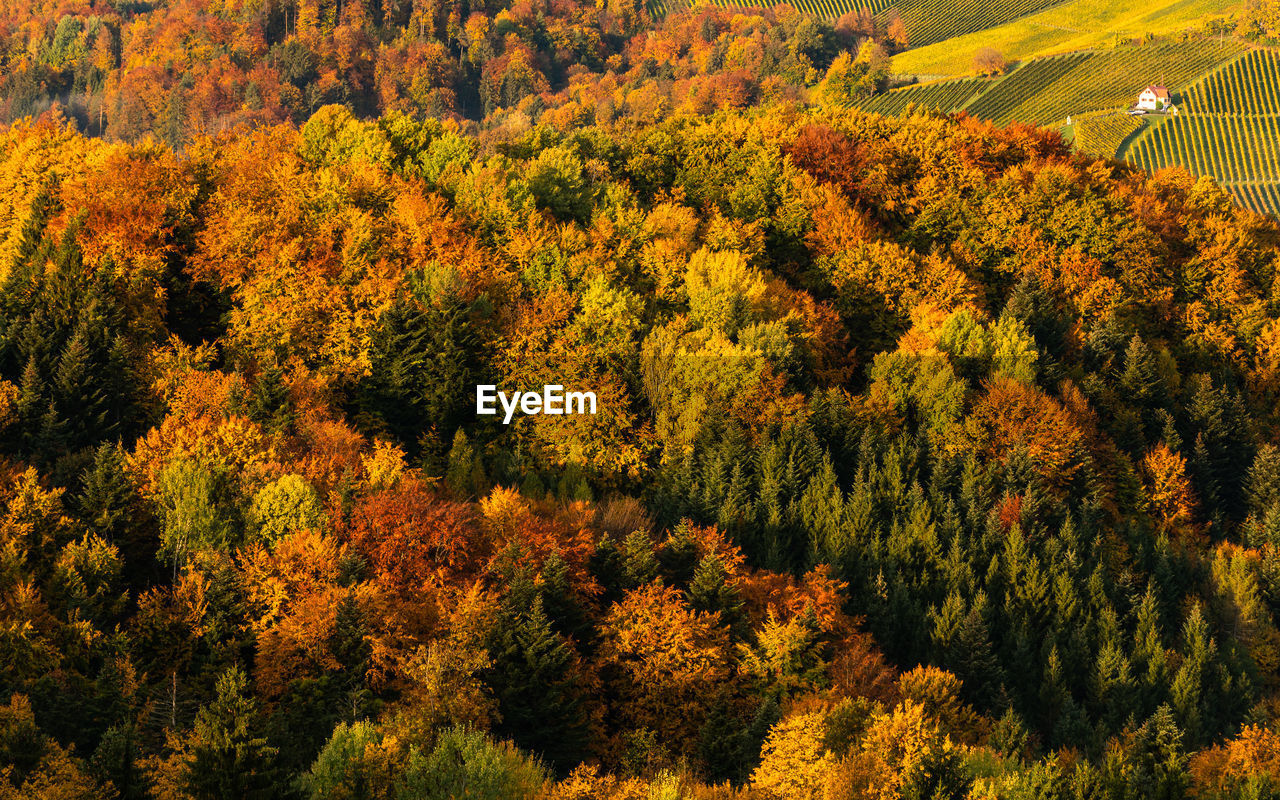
x=1228, y=127
x=1076, y=25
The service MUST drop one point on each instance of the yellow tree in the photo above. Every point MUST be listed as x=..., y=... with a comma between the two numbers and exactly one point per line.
x=665, y=662
x=795, y=762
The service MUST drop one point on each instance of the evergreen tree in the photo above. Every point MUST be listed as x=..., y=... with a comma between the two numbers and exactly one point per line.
x=711, y=591
x=1140, y=381
x=269, y=402
x=678, y=556
x=116, y=761
x=464, y=472
x=639, y=562
x=228, y=757
x=1149, y=659
x=109, y=505
x=1262, y=489
x=1188, y=688
x=1154, y=764
x=421, y=377
x=972, y=657
x=534, y=680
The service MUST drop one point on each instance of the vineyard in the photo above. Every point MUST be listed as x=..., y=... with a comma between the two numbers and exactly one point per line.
x=930, y=21
x=1069, y=27
x=1231, y=147
x=1024, y=83
x=947, y=96
x=1107, y=79
x=1248, y=85
x=1229, y=129
x=1263, y=198
x=826, y=9
x=1104, y=133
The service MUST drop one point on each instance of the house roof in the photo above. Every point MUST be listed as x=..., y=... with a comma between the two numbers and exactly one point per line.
x=1159, y=91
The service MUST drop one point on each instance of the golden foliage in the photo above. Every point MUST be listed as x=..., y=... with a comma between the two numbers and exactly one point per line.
x=794, y=762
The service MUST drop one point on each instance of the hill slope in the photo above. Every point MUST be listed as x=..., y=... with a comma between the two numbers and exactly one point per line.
x=929, y=21
x=1228, y=128
x=1067, y=27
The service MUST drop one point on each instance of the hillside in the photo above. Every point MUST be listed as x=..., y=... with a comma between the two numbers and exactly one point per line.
x=1072, y=26
x=1228, y=128
x=1046, y=91
x=842, y=442
x=944, y=96
x=930, y=462
x=929, y=21
x=823, y=9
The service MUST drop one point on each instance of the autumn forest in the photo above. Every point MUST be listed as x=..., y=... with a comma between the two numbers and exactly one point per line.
x=933, y=460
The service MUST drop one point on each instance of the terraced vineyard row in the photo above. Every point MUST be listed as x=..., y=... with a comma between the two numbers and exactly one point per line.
x=1232, y=148
x=1248, y=85
x=1103, y=133
x=1107, y=79
x=930, y=21
x=827, y=9
x=947, y=96
x=1023, y=83
x=1263, y=198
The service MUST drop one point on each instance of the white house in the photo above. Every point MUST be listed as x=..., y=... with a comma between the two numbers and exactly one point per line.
x=1153, y=98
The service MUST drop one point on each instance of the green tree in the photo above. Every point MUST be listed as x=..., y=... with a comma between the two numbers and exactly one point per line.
x=343, y=769
x=534, y=679
x=422, y=376
x=466, y=763
x=110, y=506
x=196, y=511
x=227, y=756
x=286, y=505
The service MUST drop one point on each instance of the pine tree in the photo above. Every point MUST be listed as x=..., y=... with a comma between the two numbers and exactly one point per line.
x=1187, y=691
x=639, y=563
x=464, y=473
x=1263, y=484
x=562, y=606
x=974, y=660
x=228, y=758
x=536, y=687
x=608, y=567
x=1149, y=659
x=1223, y=449
x=678, y=556
x=1155, y=762
x=109, y=505
x=26, y=260
x=711, y=591
x=349, y=640
x=1140, y=381
x=422, y=370
x=115, y=760
x=269, y=402
x=822, y=510
x=1112, y=690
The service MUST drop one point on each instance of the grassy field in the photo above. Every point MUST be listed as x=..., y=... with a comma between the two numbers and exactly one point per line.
x=946, y=96
x=1066, y=27
x=1044, y=92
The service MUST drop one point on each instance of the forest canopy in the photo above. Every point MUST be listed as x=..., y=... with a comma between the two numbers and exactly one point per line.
x=932, y=459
